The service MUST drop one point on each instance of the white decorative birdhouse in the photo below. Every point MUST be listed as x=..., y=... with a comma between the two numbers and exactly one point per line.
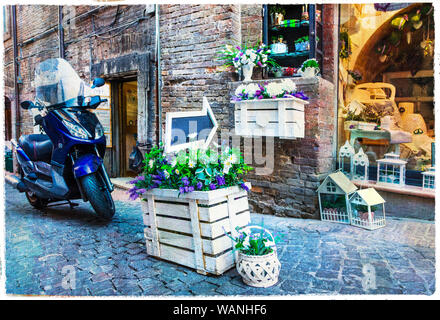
x=367, y=209
x=333, y=195
x=429, y=179
x=391, y=170
x=345, y=158
x=360, y=163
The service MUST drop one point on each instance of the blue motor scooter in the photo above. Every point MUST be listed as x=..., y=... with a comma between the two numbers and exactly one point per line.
x=66, y=163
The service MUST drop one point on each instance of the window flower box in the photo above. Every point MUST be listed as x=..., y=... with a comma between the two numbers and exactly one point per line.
x=281, y=117
x=190, y=229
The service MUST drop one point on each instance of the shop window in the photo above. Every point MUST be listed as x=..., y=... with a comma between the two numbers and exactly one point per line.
x=386, y=83
x=294, y=33
x=6, y=23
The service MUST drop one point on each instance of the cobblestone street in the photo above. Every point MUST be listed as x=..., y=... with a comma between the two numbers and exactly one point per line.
x=110, y=259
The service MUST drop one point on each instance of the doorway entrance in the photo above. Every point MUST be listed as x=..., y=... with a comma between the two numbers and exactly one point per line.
x=125, y=93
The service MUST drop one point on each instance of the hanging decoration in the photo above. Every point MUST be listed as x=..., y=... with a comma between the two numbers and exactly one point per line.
x=345, y=43
x=384, y=7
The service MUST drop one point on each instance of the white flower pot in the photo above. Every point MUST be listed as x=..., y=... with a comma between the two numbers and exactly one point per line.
x=247, y=71
x=190, y=229
x=282, y=117
x=259, y=271
x=309, y=72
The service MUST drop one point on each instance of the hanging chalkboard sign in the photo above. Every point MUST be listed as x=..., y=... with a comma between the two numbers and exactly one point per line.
x=190, y=129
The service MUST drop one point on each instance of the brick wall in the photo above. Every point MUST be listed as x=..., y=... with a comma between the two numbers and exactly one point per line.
x=191, y=35
x=37, y=37
x=251, y=24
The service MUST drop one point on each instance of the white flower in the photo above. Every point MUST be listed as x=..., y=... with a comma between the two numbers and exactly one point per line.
x=233, y=158
x=191, y=163
x=240, y=89
x=248, y=52
x=251, y=89
x=288, y=85
x=274, y=89
x=166, y=174
x=150, y=163
x=226, y=167
x=174, y=162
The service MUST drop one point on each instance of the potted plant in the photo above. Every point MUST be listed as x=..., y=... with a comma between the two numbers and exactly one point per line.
x=257, y=260
x=244, y=58
x=309, y=68
x=187, y=200
x=283, y=106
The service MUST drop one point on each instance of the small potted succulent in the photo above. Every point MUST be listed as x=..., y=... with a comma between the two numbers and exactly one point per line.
x=257, y=260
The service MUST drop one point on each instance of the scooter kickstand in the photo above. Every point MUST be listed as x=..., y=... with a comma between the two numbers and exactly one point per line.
x=72, y=204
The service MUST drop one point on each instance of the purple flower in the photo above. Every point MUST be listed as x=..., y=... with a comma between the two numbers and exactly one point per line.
x=185, y=181
x=259, y=63
x=185, y=189
x=212, y=186
x=190, y=189
x=260, y=97
x=181, y=190
x=137, y=179
x=258, y=92
x=238, y=47
x=220, y=180
x=236, y=59
x=259, y=50
x=141, y=191
x=244, y=186
x=351, y=126
x=199, y=185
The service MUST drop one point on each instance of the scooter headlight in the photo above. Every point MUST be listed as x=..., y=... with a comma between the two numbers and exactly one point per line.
x=76, y=130
x=99, y=131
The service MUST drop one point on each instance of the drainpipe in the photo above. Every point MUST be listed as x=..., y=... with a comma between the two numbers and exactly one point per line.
x=158, y=79
x=16, y=72
x=61, y=31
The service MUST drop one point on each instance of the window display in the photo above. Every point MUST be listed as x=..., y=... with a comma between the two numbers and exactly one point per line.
x=386, y=82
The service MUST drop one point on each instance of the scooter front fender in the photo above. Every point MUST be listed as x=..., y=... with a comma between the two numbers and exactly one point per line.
x=86, y=164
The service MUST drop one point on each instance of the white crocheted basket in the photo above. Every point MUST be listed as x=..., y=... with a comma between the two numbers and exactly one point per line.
x=259, y=271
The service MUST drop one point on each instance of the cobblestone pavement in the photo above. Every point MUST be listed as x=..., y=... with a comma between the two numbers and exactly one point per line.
x=110, y=259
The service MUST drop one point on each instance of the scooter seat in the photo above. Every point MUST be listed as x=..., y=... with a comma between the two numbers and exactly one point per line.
x=38, y=147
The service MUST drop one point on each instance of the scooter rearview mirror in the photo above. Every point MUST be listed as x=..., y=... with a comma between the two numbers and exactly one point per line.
x=98, y=82
x=27, y=105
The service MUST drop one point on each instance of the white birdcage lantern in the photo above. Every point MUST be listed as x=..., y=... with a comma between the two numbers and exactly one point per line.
x=345, y=158
x=391, y=170
x=333, y=195
x=429, y=179
x=360, y=163
x=367, y=209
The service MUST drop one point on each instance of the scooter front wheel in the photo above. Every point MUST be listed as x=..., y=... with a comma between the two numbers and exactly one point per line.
x=98, y=195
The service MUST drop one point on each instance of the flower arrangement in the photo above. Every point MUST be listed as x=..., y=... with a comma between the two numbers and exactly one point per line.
x=239, y=56
x=255, y=243
x=272, y=90
x=310, y=63
x=188, y=171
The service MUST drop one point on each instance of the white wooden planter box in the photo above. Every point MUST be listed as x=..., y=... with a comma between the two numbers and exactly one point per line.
x=190, y=230
x=283, y=118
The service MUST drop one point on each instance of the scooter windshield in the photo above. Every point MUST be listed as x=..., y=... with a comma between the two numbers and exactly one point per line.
x=56, y=82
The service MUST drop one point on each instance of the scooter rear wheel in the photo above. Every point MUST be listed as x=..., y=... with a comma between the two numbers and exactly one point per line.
x=33, y=199
x=36, y=202
x=98, y=195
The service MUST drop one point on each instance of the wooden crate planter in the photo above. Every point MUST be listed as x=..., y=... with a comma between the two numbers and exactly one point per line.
x=190, y=230
x=283, y=118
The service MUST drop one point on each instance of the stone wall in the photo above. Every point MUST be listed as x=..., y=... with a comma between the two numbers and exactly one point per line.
x=191, y=36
